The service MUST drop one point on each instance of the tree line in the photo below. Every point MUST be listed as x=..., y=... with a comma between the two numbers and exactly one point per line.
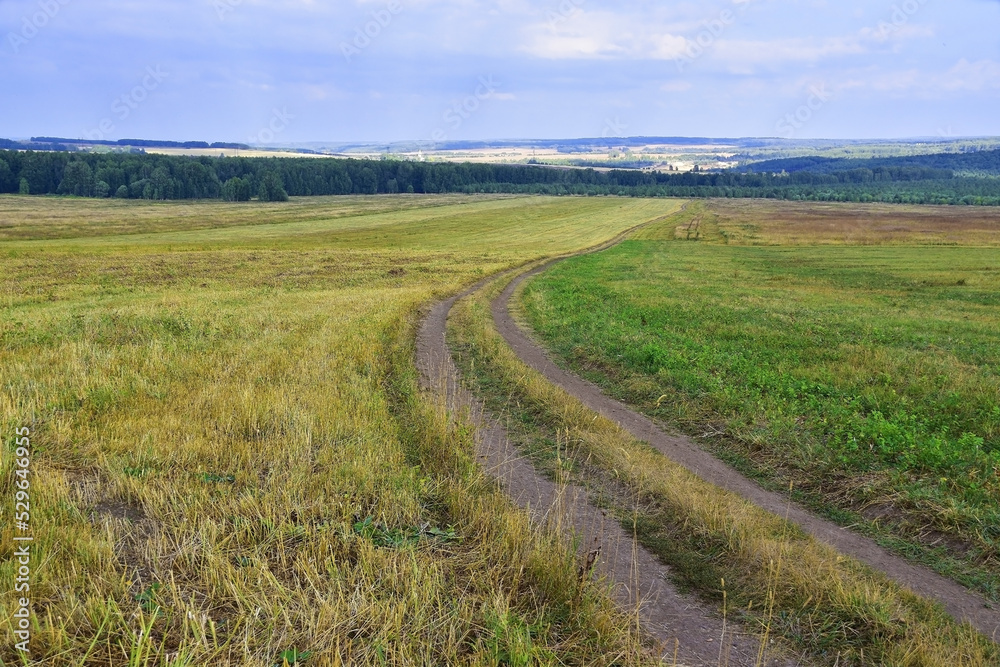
x=147, y=176
x=979, y=162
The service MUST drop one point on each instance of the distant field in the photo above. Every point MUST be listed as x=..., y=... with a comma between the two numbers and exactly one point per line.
x=63, y=217
x=756, y=222
x=851, y=350
x=231, y=462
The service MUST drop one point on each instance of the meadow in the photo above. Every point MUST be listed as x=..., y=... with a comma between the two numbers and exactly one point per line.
x=231, y=461
x=847, y=351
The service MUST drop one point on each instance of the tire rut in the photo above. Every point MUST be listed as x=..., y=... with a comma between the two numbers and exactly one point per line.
x=641, y=584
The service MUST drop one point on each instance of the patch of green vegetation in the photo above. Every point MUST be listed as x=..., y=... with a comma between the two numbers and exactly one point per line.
x=147, y=599
x=293, y=657
x=869, y=376
x=510, y=642
x=397, y=538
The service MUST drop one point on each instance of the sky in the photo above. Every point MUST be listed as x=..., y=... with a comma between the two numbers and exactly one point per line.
x=291, y=71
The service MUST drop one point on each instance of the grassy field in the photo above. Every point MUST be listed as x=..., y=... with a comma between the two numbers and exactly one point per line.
x=77, y=218
x=851, y=351
x=231, y=463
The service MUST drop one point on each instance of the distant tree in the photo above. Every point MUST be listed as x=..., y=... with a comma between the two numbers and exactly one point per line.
x=367, y=183
x=162, y=184
x=137, y=188
x=271, y=187
x=121, y=192
x=340, y=183
x=44, y=170
x=7, y=180
x=24, y=188
x=236, y=189
x=199, y=181
x=102, y=190
x=112, y=175
x=919, y=180
x=78, y=179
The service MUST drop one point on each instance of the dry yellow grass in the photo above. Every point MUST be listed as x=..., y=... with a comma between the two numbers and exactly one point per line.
x=220, y=397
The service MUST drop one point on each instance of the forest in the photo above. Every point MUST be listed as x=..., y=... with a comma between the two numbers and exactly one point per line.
x=160, y=177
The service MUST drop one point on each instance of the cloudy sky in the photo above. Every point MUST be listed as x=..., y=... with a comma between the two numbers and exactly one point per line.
x=382, y=70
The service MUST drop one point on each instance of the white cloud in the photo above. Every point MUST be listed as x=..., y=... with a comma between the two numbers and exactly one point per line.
x=596, y=59
x=584, y=34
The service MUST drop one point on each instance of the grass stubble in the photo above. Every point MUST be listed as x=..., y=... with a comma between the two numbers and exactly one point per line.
x=232, y=463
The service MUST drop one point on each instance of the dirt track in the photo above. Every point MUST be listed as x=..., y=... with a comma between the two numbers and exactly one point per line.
x=637, y=575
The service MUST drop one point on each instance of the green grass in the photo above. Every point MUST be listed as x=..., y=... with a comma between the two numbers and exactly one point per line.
x=232, y=463
x=780, y=582
x=868, y=376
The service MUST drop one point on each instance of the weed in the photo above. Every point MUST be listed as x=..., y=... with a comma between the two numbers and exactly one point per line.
x=147, y=599
x=292, y=657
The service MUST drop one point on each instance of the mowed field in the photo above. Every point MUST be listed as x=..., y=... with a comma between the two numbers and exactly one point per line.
x=230, y=460
x=851, y=352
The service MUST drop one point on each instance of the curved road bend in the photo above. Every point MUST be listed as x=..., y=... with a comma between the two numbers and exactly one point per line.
x=680, y=623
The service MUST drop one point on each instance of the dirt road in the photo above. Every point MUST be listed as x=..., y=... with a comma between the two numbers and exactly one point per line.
x=680, y=623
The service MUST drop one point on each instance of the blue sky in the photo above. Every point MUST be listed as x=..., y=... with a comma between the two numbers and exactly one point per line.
x=385, y=70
